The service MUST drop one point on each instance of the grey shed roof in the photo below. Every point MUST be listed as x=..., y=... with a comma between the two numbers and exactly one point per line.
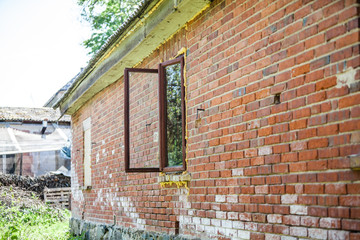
x=32, y=114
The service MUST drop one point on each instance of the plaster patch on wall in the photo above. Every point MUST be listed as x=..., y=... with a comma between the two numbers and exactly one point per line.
x=97, y=157
x=209, y=227
x=126, y=204
x=346, y=78
x=75, y=186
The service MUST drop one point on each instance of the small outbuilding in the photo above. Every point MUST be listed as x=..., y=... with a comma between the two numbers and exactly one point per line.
x=33, y=141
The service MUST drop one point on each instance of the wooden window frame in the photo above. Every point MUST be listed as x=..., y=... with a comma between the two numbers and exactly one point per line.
x=162, y=117
x=127, y=119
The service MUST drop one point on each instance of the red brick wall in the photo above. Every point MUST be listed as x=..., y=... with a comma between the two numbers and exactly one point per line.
x=269, y=157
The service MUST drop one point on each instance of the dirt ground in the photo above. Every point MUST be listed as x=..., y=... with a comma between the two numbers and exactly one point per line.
x=10, y=196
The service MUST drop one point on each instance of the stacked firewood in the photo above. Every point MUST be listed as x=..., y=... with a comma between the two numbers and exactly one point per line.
x=35, y=184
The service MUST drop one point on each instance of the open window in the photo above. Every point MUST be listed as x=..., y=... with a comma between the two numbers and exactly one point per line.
x=154, y=118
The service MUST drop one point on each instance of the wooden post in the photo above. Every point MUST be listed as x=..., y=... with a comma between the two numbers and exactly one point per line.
x=4, y=163
x=21, y=163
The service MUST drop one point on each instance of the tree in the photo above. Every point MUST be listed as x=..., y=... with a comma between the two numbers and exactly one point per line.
x=105, y=17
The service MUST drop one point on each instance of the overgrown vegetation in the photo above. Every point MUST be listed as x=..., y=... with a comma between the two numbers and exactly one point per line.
x=26, y=217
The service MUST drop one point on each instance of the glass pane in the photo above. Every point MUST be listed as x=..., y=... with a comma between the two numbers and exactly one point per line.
x=144, y=120
x=173, y=122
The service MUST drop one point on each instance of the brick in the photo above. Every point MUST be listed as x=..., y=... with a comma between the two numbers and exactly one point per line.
x=257, y=236
x=317, y=97
x=289, y=157
x=338, y=116
x=298, y=231
x=335, y=32
x=304, y=112
x=308, y=155
x=298, y=210
x=338, y=234
x=310, y=221
x=355, y=213
x=330, y=223
x=323, y=25
x=317, y=120
x=336, y=188
x=257, y=161
x=307, y=200
x=270, y=70
x=318, y=211
x=297, y=146
x=289, y=199
x=297, y=167
x=350, y=201
x=314, y=41
x=279, y=229
x=301, y=70
x=318, y=63
x=282, y=210
x=288, y=63
x=327, y=177
x=305, y=90
x=353, y=188
x=314, y=188
x=349, y=101
x=291, y=220
x=297, y=103
x=278, y=88
x=354, y=236
x=347, y=40
x=305, y=57
x=339, y=212
x=318, y=143
x=333, y=8
x=265, y=151
x=316, y=233
x=328, y=130
x=349, y=126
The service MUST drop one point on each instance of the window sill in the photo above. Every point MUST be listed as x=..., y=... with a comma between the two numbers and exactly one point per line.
x=87, y=188
x=169, y=178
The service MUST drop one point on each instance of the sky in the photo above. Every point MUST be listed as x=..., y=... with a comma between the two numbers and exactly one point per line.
x=40, y=49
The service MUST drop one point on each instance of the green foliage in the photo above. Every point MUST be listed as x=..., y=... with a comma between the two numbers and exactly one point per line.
x=105, y=17
x=36, y=222
x=174, y=120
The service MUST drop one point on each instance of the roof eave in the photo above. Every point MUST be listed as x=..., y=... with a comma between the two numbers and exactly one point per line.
x=156, y=22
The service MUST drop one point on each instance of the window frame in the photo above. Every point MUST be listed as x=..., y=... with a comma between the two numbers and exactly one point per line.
x=163, y=161
x=127, y=119
x=163, y=116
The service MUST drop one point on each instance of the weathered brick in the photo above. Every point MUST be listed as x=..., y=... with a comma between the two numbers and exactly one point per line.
x=330, y=223
x=268, y=157
x=317, y=233
x=337, y=234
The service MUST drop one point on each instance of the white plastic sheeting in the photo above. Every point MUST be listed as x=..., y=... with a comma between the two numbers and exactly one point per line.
x=13, y=141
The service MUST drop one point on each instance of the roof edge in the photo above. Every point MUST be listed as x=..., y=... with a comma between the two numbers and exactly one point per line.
x=140, y=36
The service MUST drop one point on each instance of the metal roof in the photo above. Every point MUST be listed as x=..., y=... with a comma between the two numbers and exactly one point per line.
x=32, y=114
x=13, y=141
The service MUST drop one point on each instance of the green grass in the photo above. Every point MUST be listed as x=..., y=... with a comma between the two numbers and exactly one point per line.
x=36, y=222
